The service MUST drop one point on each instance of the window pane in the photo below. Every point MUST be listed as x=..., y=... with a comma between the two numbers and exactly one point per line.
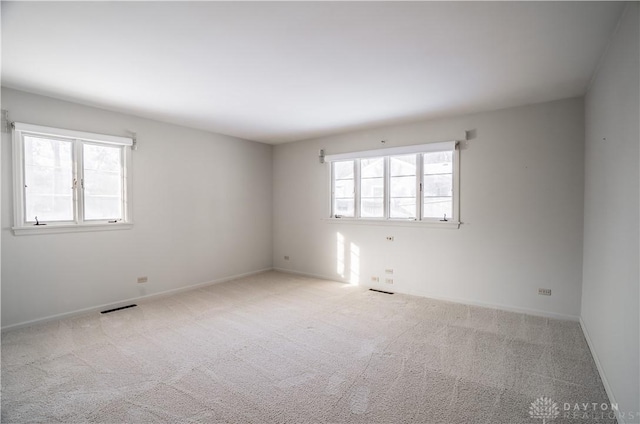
x=372, y=207
x=403, y=207
x=437, y=207
x=402, y=186
x=372, y=167
x=343, y=170
x=403, y=165
x=344, y=188
x=372, y=187
x=438, y=185
x=48, y=177
x=344, y=207
x=102, y=182
x=438, y=163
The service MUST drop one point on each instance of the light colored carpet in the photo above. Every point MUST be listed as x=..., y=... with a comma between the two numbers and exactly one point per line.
x=276, y=347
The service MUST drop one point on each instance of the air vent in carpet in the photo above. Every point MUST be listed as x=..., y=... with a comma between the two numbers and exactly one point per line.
x=118, y=309
x=381, y=291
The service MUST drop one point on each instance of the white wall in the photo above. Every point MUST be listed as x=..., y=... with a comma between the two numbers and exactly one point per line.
x=521, y=204
x=611, y=242
x=201, y=205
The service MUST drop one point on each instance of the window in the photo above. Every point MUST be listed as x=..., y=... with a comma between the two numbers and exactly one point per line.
x=344, y=188
x=438, y=184
x=411, y=183
x=68, y=180
x=402, y=186
x=372, y=188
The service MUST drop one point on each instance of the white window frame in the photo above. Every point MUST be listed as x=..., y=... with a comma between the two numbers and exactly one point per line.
x=78, y=138
x=418, y=150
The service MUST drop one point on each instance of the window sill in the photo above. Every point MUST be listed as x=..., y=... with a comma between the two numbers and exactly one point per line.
x=70, y=228
x=395, y=223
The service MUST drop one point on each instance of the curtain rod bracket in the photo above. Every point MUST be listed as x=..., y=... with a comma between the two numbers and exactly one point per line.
x=7, y=125
x=134, y=145
x=321, y=157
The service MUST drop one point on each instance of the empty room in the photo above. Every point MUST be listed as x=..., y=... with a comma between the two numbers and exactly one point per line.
x=320, y=212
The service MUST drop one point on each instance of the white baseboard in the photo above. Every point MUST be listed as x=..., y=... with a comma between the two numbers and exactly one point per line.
x=603, y=376
x=113, y=305
x=464, y=301
x=527, y=311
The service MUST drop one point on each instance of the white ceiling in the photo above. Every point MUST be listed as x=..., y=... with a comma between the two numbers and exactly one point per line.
x=283, y=71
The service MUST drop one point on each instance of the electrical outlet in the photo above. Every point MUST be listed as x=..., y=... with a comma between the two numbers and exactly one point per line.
x=286, y=258
x=389, y=270
x=544, y=292
x=143, y=279
x=376, y=279
x=389, y=238
x=388, y=280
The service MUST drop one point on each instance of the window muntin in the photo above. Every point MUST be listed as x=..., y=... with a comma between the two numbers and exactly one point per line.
x=412, y=186
x=65, y=179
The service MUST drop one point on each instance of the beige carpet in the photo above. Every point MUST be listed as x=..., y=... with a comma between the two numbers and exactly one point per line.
x=281, y=348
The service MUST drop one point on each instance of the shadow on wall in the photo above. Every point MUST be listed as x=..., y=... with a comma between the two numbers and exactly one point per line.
x=347, y=262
